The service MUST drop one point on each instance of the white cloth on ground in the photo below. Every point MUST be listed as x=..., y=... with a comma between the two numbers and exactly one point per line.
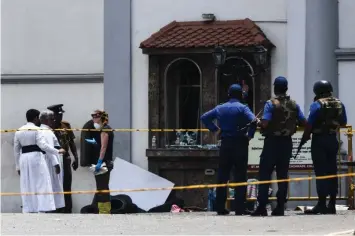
x=52, y=160
x=34, y=173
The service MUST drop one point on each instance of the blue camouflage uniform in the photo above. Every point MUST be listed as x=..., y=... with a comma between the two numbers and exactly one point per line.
x=279, y=122
x=236, y=128
x=326, y=114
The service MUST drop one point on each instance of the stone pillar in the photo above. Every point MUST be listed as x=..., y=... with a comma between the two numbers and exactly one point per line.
x=321, y=43
x=296, y=49
x=312, y=37
x=117, y=72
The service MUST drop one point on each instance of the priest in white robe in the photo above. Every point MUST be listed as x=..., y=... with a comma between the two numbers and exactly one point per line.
x=53, y=161
x=29, y=148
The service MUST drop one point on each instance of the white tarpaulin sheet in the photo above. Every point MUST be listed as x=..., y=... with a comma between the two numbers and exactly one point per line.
x=128, y=176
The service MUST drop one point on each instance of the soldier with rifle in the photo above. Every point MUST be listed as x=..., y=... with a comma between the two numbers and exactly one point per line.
x=327, y=113
x=278, y=124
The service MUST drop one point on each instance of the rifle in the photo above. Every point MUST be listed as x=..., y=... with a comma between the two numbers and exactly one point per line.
x=303, y=141
x=253, y=122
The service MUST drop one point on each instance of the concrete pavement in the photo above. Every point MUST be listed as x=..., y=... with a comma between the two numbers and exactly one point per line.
x=179, y=223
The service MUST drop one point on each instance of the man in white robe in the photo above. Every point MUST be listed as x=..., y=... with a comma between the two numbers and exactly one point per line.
x=53, y=161
x=32, y=167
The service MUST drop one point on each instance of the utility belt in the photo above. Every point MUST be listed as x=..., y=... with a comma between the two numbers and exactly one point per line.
x=270, y=133
x=275, y=137
x=32, y=148
x=324, y=131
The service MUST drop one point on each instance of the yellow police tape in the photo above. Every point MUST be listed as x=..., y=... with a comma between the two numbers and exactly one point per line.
x=122, y=130
x=107, y=130
x=199, y=186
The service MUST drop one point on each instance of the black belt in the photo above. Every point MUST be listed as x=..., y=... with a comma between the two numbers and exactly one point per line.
x=324, y=133
x=32, y=148
x=57, y=147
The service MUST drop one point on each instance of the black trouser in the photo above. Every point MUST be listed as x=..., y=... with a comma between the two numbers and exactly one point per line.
x=324, y=155
x=277, y=152
x=233, y=153
x=67, y=180
x=102, y=183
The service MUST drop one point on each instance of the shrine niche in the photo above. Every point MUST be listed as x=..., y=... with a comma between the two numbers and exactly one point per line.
x=191, y=66
x=237, y=70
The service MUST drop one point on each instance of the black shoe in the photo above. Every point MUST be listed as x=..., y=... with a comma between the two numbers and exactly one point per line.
x=223, y=212
x=331, y=209
x=260, y=211
x=318, y=209
x=242, y=213
x=67, y=210
x=278, y=211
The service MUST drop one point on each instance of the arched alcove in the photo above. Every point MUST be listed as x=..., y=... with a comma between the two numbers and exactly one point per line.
x=236, y=70
x=182, y=79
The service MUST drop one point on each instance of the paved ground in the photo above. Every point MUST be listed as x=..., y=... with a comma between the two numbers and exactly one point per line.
x=178, y=223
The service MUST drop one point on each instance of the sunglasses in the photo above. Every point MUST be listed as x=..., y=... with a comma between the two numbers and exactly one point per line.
x=95, y=115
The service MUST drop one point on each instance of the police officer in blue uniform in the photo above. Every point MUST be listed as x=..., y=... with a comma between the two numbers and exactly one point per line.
x=235, y=119
x=278, y=124
x=326, y=115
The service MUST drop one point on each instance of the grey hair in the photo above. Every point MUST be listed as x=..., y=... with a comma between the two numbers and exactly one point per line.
x=45, y=115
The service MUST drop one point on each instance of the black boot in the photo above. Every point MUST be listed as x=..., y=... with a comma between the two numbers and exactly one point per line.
x=223, y=212
x=318, y=209
x=260, y=211
x=279, y=210
x=331, y=206
x=242, y=213
x=331, y=209
x=241, y=210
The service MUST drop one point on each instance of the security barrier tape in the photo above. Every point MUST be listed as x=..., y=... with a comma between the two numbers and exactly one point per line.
x=200, y=186
x=122, y=130
x=107, y=130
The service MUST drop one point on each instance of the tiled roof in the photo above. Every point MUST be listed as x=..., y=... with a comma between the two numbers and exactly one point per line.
x=200, y=34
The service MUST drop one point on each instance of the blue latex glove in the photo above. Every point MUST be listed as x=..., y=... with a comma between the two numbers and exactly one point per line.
x=98, y=165
x=92, y=141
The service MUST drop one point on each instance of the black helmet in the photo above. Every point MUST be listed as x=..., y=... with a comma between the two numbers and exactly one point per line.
x=322, y=87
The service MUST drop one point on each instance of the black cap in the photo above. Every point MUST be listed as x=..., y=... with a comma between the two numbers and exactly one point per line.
x=56, y=108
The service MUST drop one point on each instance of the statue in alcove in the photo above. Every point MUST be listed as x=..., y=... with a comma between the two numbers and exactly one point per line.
x=236, y=70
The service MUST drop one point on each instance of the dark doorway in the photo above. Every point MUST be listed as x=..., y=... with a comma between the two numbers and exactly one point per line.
x=183, y=98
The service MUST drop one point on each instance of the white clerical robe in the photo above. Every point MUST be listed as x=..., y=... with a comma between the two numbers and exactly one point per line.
x=34, y=173
x=52, y=160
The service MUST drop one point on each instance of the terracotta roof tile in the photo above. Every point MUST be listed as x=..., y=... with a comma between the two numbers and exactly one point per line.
x=197, y=34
